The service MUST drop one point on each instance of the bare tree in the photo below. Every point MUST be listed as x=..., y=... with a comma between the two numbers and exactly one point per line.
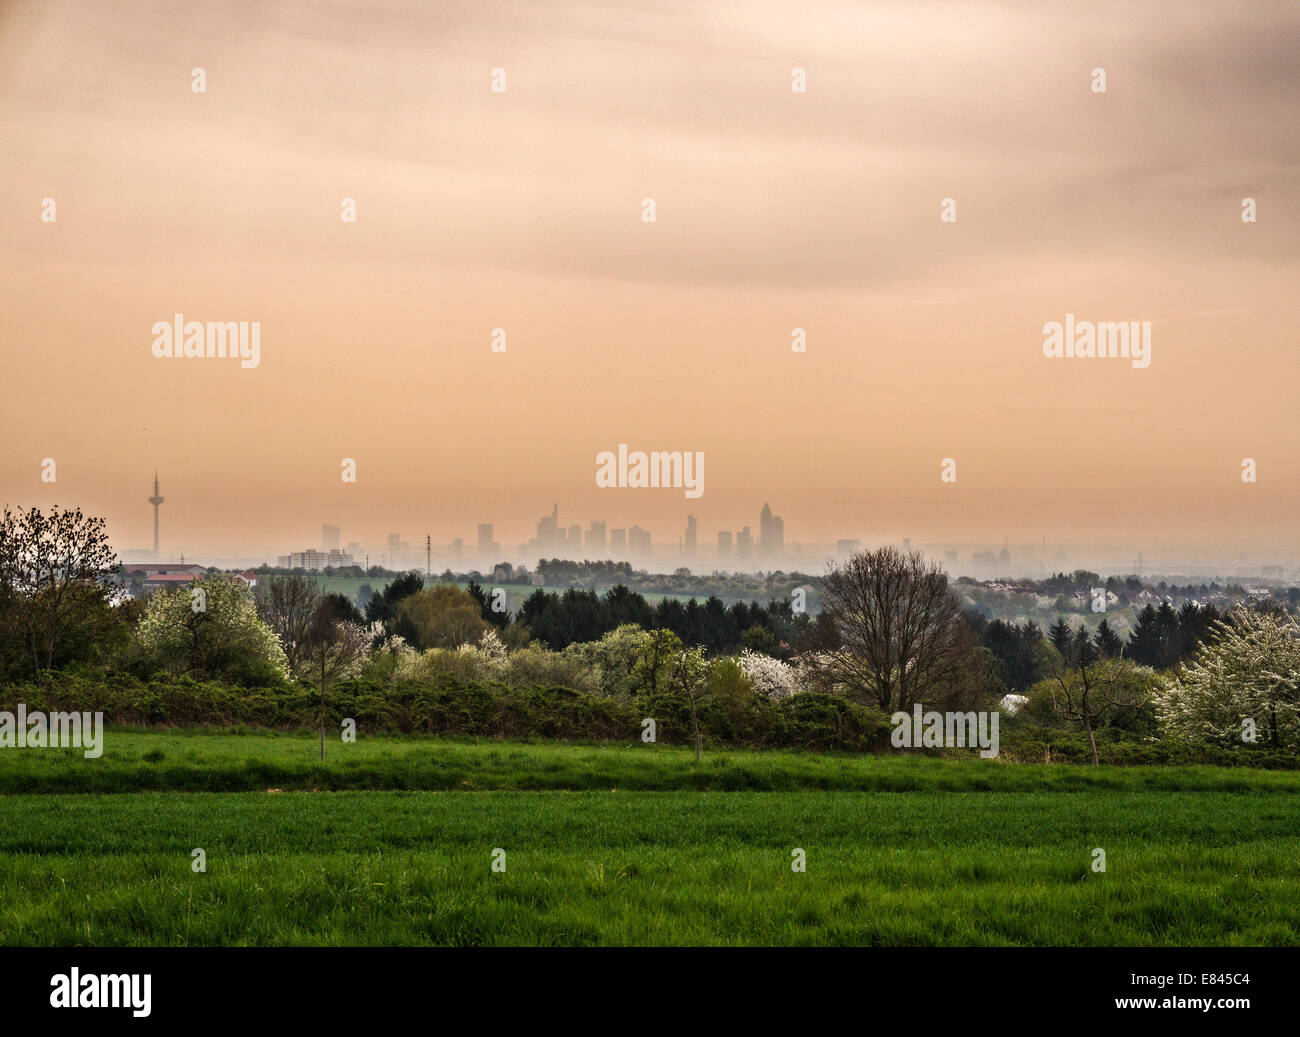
x=892, y=633
x=288, y=605
x=1098, y=686
x=334, y=649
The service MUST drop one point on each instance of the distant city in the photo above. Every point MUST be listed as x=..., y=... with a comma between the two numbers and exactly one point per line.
x=729, y=551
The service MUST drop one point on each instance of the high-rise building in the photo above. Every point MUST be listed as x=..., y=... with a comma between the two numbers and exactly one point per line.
x=688, y=546
x=846, y=547
x=487, y=547
x=595, y=541
x=330, y=537
x=744, y=545
x=618, y=544
x=724, y=545
x=548, y=531
x=771, y=533
x=638, y=543
x=314, y=561
x=574, y=540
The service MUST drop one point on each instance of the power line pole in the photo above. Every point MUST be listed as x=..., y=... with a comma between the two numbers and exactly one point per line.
x=428, y=553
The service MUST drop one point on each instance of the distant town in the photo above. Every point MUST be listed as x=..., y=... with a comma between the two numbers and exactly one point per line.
x=740, y=551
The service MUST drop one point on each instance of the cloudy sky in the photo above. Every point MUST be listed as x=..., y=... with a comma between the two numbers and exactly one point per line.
x=774, y=210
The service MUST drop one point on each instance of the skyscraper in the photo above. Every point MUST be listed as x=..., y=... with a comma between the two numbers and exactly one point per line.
x=771, y=533
x=549, y=532
x=692, y=532
x=595, y=540
x=329, y=537
x=744, y=545
x=155, y=500
x=638, y=543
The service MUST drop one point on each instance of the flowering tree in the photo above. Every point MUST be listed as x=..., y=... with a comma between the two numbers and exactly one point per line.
x=1248, y=671
x=210, y=628
x=772, y=678
x=492, y=647
x=613, y=660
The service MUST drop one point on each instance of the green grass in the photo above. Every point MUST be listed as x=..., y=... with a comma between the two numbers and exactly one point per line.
x=202, y=761
x=624, y=845
x=650, y=868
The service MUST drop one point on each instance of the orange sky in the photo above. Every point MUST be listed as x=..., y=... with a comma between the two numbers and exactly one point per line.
x=775, y=210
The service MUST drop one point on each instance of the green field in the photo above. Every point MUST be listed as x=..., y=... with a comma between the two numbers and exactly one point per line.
x=624, y=845
x=207, y=761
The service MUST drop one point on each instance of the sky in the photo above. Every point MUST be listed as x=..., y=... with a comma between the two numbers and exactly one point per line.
x=774, y=210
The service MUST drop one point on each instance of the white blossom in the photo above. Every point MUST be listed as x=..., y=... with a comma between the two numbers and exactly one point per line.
x=772, y=678
x=1250, y=670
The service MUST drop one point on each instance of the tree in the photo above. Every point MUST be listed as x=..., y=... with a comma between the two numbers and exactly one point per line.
x=210, y=629
x=484, y=599
x=288, y=604
x=1107, y=642
x=899, y=634
x=1168, y=636
x=383, y=607
x=1195, y=624
x=1020, y=651
x=690, y=676
x=770, y=677
x=442, y=617
x=1096, y=688
x=54, y=572
x=1249, y=670
x=1061, y=636
x=759, y=639
x=335, y=648
x=1144, y=642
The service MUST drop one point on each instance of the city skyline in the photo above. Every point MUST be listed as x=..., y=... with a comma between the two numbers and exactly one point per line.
x=521, y=213
x=738, y=550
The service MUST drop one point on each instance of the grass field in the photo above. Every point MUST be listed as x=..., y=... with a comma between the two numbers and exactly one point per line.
x=623, y=846
x=207, y=761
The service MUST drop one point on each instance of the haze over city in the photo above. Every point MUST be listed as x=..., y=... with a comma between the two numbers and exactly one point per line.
x=522, y=210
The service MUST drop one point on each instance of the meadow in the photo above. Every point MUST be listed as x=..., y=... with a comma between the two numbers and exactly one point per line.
x=631, y=845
